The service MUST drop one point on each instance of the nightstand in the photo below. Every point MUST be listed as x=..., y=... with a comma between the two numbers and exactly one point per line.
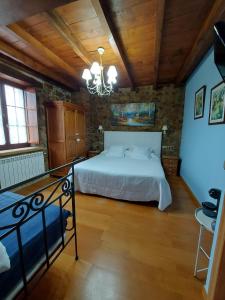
x=170, y=164
x=92, y=153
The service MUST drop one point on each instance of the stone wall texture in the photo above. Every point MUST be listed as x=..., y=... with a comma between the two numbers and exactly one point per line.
x=169, y=102
x=48, y=92
x=169, y=110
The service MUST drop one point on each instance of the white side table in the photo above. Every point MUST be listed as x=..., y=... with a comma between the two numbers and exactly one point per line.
x=205, y=224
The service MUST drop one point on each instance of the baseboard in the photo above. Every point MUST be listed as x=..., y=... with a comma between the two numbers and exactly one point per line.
x=193, y=198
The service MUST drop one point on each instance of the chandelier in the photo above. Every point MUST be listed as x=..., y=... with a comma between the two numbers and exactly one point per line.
x=95, y=80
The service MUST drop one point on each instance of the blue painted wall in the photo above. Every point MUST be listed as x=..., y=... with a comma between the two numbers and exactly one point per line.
x=202, y=145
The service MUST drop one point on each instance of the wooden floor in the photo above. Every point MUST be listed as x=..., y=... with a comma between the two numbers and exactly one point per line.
x=128, y=252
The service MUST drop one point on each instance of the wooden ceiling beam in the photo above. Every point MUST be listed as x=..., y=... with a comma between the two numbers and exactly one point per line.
x=202, y=42
x=14, y=72
x=42, y=49
x=11, y=80
x=160, y=11
x=12, y=11
x=24, y=59
x=64, y=30
x=102, y=12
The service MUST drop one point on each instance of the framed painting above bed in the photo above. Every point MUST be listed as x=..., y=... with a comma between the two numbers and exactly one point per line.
x=199, y=103
x=133, y=114
x=217, y=105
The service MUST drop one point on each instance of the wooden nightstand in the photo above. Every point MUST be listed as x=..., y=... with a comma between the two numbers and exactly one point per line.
x=92, y=153
x=170, y=164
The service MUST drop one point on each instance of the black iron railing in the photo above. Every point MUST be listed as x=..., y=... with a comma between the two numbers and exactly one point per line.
x=60, y=192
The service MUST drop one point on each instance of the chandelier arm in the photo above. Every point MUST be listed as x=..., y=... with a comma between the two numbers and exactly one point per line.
x=94, y=89
x=105, y=89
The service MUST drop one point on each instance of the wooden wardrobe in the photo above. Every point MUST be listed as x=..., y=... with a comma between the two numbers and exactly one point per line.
x=66, y=133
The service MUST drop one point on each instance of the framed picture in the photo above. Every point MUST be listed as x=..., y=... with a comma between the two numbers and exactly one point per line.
x=133, y=114
x=199, y=103
x=217, y=105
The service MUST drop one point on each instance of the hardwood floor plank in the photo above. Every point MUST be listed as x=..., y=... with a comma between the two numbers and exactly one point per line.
x=128, y=251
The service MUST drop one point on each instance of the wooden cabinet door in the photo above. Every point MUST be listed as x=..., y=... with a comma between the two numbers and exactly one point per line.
x=66, y=133
x=70, y=122
x=80, y=133
x=55, y=124
x=56, y=136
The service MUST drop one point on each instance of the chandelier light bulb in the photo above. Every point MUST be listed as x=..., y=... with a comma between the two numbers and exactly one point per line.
x=98, y=81
x=86, y=74
x=112, y=80
x=112, y=72
x=95, y=68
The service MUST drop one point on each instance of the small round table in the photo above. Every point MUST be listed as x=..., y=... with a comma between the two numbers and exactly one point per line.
x=205, y=224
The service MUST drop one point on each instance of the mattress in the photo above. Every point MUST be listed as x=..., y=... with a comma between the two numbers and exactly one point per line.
x=124, y=179
x=32, y=241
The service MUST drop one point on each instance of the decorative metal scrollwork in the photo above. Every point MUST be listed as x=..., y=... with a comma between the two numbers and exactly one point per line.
x=20, y=211
x=66, y=186
x=36, y=202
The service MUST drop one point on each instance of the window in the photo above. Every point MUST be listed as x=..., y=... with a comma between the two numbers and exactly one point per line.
x=18, y=117
x=2, y=134
x=15, y=105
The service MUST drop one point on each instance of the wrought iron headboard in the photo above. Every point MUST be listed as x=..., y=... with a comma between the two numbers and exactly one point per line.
x=24, y=209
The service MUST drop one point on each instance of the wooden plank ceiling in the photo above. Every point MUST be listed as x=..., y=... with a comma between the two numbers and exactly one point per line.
x=149, y=41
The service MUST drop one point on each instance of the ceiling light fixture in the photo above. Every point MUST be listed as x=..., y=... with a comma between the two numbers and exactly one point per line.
x=95, y=80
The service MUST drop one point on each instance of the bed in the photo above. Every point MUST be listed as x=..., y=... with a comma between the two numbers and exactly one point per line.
x=34, y=230
x=126, y=178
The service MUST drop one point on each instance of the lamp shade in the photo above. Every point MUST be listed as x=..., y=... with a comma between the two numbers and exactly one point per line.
x=86, y=75
x=112, y=80
x=164, y=128
x=95, y=68
x=112, y=72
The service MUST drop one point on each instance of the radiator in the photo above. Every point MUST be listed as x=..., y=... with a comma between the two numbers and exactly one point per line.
x=18, y=168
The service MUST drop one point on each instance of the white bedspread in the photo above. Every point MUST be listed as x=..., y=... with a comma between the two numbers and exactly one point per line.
x=124, y=178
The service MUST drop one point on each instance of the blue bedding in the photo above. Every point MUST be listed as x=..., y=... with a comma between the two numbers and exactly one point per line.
x=32, y=240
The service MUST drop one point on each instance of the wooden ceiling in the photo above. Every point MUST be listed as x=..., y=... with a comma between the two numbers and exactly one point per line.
x=149, y=41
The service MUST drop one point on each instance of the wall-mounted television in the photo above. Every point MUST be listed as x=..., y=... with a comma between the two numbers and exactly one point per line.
x=219, y=47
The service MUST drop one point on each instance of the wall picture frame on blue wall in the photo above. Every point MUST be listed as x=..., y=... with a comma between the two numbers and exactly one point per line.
x=217, y=104
x=199, y=103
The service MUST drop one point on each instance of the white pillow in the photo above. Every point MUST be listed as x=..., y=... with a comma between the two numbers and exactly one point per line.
x=4, y=259
x=141, y=149
x=138, y=152
x=115, y=151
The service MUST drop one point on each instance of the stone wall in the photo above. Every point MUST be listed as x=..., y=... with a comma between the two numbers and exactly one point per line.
x=47, y=92
x=169, y=110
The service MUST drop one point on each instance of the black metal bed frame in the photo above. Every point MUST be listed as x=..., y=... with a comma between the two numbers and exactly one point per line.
x=63, y=193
